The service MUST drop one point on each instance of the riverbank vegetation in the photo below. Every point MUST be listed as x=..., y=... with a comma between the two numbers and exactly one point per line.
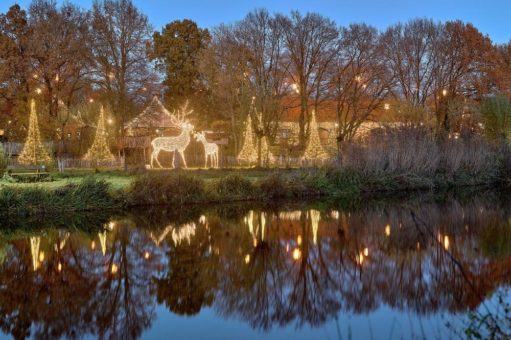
x=398, y=160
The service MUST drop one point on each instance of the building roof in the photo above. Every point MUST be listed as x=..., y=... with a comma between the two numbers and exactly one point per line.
x=155, y=115
x=326, y=110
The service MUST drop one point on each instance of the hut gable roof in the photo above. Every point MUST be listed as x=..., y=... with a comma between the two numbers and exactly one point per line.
x=155, y=115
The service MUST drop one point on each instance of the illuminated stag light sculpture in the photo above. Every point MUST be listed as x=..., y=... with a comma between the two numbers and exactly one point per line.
x=210, y=150
x=177, y=143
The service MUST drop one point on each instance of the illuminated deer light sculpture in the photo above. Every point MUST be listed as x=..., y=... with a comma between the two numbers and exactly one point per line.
x=210, y=150
x=174, y=144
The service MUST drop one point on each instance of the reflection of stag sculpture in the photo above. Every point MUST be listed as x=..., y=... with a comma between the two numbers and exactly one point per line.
x=210, y=150
x=177, y=143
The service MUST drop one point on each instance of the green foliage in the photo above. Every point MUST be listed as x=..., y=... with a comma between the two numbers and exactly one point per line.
x=166, y=188
x=90, y=194
x=3, y=158
x=496, y=117
x=234, y=187
x=177, y=49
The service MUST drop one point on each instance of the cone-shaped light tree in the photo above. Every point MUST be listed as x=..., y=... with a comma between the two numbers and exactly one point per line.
x=314, y=149
x=266, y=157
x=248, y=151
x=99, y=150
x=34, y=152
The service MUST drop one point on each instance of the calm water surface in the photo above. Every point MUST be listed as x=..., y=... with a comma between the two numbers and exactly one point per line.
x=407, y=270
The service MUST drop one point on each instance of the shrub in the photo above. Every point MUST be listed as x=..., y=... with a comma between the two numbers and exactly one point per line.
x=274, y=186
x=90, y=194
x=3, y=158
x=234, y=187
x=166, y=188
x=496, y=117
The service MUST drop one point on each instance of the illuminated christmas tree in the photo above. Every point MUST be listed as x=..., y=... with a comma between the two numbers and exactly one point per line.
x=248, y=151
x=266, y=156
x=314, y=149
x=99, y=150
x=33, y=151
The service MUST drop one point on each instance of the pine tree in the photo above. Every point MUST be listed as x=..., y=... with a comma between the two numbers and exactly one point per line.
x=248, y=151
x=314, y=149
x=99, y=150
x=34, y=152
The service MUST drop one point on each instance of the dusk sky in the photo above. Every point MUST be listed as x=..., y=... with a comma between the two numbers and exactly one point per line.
x=490, y=17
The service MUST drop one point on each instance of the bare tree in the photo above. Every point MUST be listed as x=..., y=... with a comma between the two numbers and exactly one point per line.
x=360, y=80
x=121, y=38
x=312, y=43
x=261, y=37
x=410, y=54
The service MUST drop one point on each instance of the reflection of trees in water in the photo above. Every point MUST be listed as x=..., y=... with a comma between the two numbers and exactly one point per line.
x=73, y=291
x=269, y=268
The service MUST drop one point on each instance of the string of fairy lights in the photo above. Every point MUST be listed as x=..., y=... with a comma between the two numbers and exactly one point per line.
x=253, y=147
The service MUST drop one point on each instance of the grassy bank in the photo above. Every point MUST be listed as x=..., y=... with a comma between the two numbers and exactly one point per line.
x=391, y=162
x=189, y=187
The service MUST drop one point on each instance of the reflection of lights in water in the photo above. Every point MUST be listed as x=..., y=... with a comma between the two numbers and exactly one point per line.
x=315, y=215
x=366, y=252
x=93, y=245
x=114, y=269
x=255, y=242
x=287, y=248
x=263, y=225
x=249, y=220
x=290, y=215
x=146, y=255
x=247, y=258
x=41, y=256
x=59, y=267
x=334, y=214
x=34, y=249
x=446, y=242
x=418, y=246
x=102, y=241
x=184, y=232
x=297, y=254
x=111, y=225
x=299, y=240
x=359, y=258
x=387, y=230
x=202, y=219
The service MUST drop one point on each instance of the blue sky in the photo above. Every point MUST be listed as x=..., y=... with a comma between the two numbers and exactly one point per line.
x=489, y=16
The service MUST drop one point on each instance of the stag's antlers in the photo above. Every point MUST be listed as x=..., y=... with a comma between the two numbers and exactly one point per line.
x=180, y=115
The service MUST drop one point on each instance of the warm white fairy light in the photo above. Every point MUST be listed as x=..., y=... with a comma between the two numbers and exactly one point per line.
x=210, y=150
x=248, y=151
x=99, y=151
x=34, y=151
x=314, y=149
x=177, y=144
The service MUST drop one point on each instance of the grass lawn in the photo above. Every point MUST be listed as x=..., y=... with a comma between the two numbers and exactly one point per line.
x=121, y=180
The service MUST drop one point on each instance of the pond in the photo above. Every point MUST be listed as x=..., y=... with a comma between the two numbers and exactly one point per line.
x=421, y=267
